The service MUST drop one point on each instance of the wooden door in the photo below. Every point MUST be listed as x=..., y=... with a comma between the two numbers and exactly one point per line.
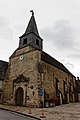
x=19, y=96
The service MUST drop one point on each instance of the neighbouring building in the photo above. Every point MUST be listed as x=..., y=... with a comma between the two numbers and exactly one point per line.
x=78, y=89
x=33, y=77
x=3, y=69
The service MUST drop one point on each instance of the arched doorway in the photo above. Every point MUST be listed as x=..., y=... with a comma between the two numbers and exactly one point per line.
x=19, y=96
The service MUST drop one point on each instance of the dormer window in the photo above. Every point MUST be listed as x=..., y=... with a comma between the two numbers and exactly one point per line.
x=37, y=42
x=25, y=41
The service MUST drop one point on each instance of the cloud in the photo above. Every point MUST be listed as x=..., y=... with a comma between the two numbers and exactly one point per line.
x=6, y=38
x=5, y=30
x=69, y=65
x=75, y=56
x=62, y=35
x=62, y=43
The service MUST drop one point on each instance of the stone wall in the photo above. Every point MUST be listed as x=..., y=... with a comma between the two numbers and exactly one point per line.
x=27, y=61
x=26, y=66
x=50, y=74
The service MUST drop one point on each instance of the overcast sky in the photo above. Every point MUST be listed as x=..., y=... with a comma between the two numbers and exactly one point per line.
x=58, y=23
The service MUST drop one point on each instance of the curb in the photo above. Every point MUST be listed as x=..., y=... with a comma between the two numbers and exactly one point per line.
x=21, y=113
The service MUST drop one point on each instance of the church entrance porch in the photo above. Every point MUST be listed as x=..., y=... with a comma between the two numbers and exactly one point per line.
x=19, y=96
x=20, y=90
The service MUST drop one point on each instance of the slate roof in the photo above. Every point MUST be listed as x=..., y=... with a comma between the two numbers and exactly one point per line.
x=52, y=61
x=3, y=69
x=32, y=27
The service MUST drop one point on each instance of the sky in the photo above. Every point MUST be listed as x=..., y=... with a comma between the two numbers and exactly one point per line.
x=58, y=23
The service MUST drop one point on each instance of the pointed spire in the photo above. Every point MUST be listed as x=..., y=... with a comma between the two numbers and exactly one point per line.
x=31, y=35
x=32, y=27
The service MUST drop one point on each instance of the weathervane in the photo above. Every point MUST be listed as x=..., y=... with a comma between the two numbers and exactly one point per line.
x=32, y=12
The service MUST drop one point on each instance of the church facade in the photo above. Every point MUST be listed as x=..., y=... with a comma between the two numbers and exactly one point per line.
x=33, y=77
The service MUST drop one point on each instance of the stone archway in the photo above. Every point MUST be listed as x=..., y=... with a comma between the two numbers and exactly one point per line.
x=19, y=96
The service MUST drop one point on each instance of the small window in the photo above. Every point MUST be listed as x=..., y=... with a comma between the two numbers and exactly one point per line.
x=37, y=42
x=25, y=41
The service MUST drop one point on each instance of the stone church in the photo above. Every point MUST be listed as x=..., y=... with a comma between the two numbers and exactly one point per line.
x=33, y=77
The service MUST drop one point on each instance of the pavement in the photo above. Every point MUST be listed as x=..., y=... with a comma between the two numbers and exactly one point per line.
x=69, y=111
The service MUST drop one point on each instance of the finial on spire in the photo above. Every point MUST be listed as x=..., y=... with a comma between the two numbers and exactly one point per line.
x=32, y=12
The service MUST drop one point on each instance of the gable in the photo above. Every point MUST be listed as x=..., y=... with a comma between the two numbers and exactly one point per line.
x=21, y=78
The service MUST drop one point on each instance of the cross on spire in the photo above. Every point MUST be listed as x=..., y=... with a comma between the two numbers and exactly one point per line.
x=32, y=12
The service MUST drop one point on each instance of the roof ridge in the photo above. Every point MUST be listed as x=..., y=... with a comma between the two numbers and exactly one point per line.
x=49, y=59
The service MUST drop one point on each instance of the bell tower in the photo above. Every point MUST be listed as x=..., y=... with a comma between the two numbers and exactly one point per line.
x=31, y=36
